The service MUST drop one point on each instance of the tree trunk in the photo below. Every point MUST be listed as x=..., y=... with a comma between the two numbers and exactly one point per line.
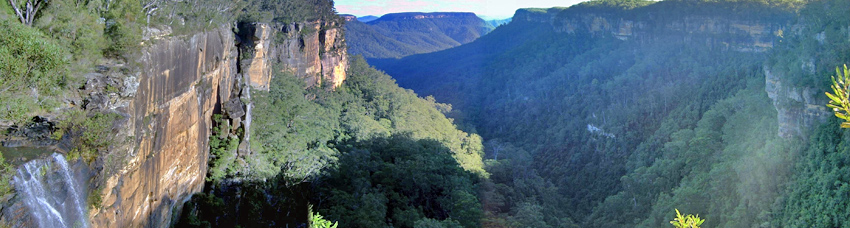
x=27, y=14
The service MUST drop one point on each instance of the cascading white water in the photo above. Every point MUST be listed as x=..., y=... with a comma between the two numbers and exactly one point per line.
x=54, y=197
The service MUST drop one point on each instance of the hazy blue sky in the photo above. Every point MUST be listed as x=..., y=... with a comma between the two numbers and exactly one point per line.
x=488, y=8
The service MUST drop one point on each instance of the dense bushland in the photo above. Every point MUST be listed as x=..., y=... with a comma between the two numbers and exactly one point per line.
x=583, y=129
x=368, y=145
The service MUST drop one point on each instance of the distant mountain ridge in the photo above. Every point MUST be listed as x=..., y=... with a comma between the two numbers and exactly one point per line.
x=369, y=18
x=418, y=15
x=397, y=35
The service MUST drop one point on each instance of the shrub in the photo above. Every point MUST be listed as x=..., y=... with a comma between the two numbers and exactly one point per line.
x=91, y=133
x=222, y=148
x=123, y=27
x=5, y=176
x=31, y=66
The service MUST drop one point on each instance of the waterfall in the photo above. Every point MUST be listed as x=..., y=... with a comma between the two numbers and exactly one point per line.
x=52, y=193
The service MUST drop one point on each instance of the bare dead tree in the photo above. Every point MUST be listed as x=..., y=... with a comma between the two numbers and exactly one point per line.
x=150, y=8
x=29, y=9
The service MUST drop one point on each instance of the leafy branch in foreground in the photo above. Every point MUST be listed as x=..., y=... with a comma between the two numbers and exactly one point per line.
x=317, y=221
x=689, y=221
x=839, y=102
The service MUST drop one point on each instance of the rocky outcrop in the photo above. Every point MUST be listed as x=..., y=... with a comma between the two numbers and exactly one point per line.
x=313, y=51
x=258, y=68
x=798, y=108
x=539, y=15
x=163, y=160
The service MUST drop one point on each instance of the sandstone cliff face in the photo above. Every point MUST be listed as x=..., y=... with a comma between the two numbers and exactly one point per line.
x=314, y=51
x=537, y=15
x=183, y=81
x=798, y=108
x=733, y=34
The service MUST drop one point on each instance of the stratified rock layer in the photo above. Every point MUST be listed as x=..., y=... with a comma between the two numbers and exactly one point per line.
x=163, y=149
x=183, y=81
x=313, y=51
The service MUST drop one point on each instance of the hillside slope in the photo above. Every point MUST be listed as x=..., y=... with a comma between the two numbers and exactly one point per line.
x=245, y=113
x=402, y=34
x=613, y=113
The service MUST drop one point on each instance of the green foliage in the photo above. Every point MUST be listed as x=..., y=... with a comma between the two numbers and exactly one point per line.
x=805, y=56
x=377, y=174
x=642, y=124
x=433, y=223
x=392, y=134
x=76, y=26
x=95, y=198
x=316, y=221
x=91, y=133
x=288, y=11
x=299, y=134
x=529, y=215
x=403, y=112
x=193, y=214
x=290, y=133
x=6, y=11
x=31, y=68
x=817, y=192
x=840, y=101
x=123, y=26
x=614, y=4
x=223, y=147
x=331, y=149
x=187, y=17
x=6, y=173
x=689, y=221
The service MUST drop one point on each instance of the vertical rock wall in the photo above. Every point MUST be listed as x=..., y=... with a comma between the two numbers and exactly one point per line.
x=799, y=109
x=183, y=82
x=314, y=51
x=754, y=35
x=161, y=151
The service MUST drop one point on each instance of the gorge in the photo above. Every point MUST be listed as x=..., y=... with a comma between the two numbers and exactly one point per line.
x=607, y=113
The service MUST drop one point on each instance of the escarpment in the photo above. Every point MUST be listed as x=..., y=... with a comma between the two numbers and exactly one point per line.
x=165, y=102
x=800, y=107
x=184, y=81
x=648, y=25
x=314, y=51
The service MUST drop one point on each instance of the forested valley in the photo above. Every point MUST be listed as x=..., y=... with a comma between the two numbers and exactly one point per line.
x=616, y=113
x=608, y=113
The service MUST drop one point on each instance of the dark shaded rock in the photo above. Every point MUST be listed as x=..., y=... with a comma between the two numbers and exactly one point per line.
x=37, y=132
x=96, y=102
x=234, y=108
